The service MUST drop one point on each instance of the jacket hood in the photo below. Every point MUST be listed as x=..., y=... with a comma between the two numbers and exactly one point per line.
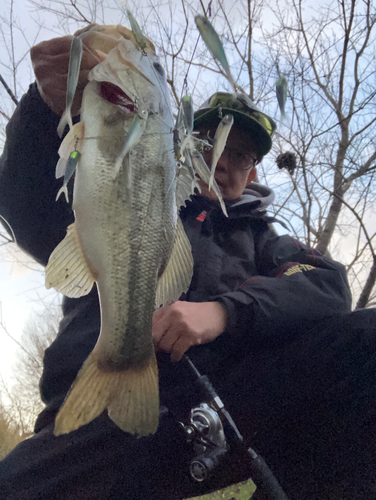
x=254, y=202
x=255, y=194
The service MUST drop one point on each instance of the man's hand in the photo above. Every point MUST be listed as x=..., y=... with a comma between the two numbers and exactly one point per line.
x=50, y=61
x=181, y=325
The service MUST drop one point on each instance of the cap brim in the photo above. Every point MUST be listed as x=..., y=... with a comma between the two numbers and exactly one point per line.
x=260, y=136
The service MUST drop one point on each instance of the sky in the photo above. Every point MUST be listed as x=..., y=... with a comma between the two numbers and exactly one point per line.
x=22, y=294
x=22, y=290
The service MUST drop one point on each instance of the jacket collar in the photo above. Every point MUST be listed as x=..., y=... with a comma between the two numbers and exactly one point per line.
x=252, y=204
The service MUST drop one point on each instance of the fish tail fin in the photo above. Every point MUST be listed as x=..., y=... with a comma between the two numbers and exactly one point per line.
x=62, y=190
x=131, y=398
x=66, y=119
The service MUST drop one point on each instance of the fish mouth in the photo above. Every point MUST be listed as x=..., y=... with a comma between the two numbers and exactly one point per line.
x=115, y=95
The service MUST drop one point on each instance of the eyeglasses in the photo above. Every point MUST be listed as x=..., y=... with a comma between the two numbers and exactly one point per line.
x=238, y=159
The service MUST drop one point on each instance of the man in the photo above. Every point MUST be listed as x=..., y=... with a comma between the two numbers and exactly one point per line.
x=267, y=319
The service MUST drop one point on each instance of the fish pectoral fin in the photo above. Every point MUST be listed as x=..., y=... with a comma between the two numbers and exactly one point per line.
x=72, y=142
x=177, y=276
x=131, y=398
x=67, y=270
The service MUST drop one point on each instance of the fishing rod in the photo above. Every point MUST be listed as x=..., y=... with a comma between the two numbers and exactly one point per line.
x=212, y=431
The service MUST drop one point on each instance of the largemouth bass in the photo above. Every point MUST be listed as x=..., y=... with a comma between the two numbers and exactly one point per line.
x=127, y=236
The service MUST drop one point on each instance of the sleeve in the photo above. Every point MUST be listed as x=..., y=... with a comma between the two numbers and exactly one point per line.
x=28, y=186
x=297, y=287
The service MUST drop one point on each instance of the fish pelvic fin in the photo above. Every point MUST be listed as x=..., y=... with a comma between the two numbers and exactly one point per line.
x=131, y=398
x=67, y=270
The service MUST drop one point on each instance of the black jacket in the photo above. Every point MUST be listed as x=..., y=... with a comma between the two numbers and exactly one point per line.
x=273, y=287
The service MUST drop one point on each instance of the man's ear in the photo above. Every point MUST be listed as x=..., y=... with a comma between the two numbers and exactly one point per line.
x=251, y=176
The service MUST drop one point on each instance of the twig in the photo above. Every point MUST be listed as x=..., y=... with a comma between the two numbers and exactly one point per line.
x=73, y=3
x=12, y=96
x=18, y=343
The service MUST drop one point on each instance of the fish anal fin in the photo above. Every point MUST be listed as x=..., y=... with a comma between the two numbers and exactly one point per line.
x=67, y=270
x=177, y=276
x=131, y=398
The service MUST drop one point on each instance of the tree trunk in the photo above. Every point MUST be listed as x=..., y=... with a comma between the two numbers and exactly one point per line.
x=368, y=287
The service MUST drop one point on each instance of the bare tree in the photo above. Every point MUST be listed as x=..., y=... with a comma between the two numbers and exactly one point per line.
x=21, y=401
x=330, y=64
x=10, y=432
x=328, y=57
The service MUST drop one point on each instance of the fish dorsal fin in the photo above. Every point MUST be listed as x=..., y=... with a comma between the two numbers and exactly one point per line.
x=191, y=168
x=177, y=276
x=67, y=270
x=186, y=183
x=72, y=141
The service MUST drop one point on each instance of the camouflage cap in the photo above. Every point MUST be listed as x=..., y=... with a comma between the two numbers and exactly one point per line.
x=246, y=115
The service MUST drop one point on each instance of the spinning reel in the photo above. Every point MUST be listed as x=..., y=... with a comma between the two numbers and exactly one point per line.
x=211, y=430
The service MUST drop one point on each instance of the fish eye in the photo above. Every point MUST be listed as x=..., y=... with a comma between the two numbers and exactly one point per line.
x=159, y=68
